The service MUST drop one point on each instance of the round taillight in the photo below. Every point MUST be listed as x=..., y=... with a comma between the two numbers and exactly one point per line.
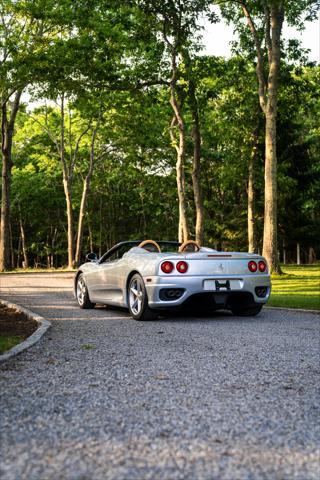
x=182, y=267
x=252, y=266
x=167, y=267
x=262, y=266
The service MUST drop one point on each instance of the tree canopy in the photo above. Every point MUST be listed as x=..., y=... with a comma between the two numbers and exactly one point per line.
x=115, y=101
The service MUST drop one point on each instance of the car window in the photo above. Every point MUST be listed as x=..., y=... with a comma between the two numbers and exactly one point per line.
x=117, y=254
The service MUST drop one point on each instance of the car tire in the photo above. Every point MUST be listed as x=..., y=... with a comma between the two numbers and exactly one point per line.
x=138, y=299
x=247, y=311
x=82, y=294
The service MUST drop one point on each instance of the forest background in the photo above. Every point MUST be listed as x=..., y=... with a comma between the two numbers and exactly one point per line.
x=135, y=134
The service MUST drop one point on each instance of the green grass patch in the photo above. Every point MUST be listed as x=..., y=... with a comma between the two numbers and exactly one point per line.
x=7, y=342
x=299, y=287
x=88, y=346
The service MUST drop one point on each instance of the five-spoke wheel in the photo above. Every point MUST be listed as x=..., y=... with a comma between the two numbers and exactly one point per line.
x=138, y=299
x=82, y=293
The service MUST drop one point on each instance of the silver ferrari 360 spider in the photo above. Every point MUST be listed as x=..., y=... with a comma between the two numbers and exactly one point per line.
x=150, y=276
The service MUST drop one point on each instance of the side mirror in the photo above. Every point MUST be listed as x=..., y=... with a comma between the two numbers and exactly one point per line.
x=92, y=257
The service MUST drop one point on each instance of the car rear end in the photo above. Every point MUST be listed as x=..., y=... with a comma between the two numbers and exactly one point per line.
x=223, y=280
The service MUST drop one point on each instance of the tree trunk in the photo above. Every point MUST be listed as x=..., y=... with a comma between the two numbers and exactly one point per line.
x=53, y=241
x=100, y=227
x=90, y=237
x=268, y=96
x=23, y=242
x=311, y=256
x=68, y=197
x=270, y=243
x=7, y=129
x=19, y=252
x=82, y=213
x=183, y=228
x=196, y=172
x=48, y=253
x=251, y=210
x=270, y=197
x=298, y=254
x=11, y=246
x=183, y=222
x=284, y=252
x=5, y=209
x=67, y=186
x=252, y=239
x=196, y=135
x=85, y=191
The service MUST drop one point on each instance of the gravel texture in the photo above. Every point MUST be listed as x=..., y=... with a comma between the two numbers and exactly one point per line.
x=104, y=397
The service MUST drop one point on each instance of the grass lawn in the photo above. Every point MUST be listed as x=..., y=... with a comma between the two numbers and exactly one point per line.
x=7, y=342
x=299, y=287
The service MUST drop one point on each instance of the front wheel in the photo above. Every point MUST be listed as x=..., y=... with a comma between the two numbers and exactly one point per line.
x=247, y=311
x=138, y=299
x=82, y=294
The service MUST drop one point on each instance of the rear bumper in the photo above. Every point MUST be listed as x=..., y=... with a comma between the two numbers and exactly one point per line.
x=194, y=286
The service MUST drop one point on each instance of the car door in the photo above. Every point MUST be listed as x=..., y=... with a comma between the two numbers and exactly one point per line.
x=106, y=281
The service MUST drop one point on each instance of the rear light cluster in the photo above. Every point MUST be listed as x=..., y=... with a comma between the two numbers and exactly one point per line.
x=262, y=266
x=254, y=266
x=168, y=267
x=182, y=267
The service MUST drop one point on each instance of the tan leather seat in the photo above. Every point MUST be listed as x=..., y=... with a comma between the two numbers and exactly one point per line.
x=150, y=243
x=189, y=246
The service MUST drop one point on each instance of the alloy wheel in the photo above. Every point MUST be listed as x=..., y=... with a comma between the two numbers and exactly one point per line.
x=81, y=291
x=136, y=296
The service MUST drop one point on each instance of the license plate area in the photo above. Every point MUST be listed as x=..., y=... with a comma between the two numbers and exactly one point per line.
x=222, y=285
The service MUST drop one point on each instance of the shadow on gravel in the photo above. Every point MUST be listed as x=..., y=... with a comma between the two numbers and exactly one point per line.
x=224, y=316
x=63, y=307
x=176, y=315
x=182, y=316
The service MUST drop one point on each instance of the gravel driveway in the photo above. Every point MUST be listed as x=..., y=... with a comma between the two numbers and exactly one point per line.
x=104, y=397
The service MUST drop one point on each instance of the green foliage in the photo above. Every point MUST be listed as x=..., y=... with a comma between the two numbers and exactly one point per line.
x=299, y=160
x=296, y=13
x=111, y=63
x=133, y=192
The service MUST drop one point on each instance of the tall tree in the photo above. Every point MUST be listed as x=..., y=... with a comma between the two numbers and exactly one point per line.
x=93, y=157
x=67, y=139
x=178, y=25
x=22, y=39
x=7, y=129
x=251, y=189
x=180, y=146
x=196, y=135
x=265, y=20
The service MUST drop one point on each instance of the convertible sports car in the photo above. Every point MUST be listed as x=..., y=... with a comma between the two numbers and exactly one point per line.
x=150, y=276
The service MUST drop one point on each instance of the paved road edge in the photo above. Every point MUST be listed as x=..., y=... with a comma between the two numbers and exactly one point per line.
x=44, y=325
x=303, y=310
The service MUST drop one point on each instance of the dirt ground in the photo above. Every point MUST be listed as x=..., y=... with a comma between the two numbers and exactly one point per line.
x=13, y=323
